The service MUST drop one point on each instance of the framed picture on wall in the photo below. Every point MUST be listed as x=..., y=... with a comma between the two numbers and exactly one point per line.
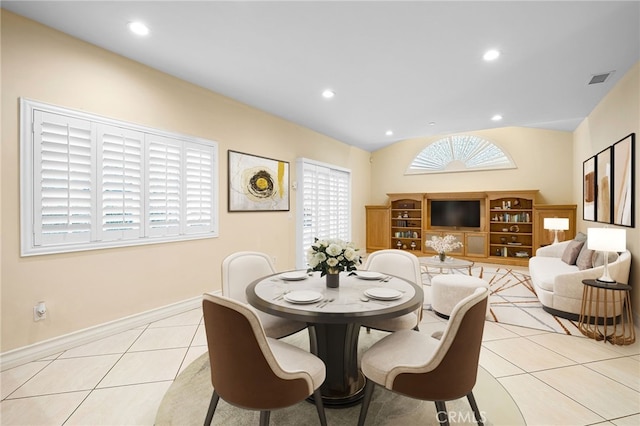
x=589, y=189
x=624, y=181
x=257, y=183
x=604, y=205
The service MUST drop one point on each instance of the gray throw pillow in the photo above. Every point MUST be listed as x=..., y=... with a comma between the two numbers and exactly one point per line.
x=572, y=251
x=599, y=257
x=585, y=258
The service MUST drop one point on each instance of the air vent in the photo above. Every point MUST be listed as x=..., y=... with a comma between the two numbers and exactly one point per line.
x=600, y=78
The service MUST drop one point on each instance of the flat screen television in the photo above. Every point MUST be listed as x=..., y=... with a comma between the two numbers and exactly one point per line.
x=455, y=213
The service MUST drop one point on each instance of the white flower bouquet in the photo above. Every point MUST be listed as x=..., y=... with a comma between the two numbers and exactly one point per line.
x=443, y=245
x=330, y=256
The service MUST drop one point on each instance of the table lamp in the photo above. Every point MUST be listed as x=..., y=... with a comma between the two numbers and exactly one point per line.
x=606, y=240
x=556, y=224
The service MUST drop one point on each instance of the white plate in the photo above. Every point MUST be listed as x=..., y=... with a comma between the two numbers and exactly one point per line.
x=368, y=275
x=303, y=296
x=294, y=275
x=383, y=293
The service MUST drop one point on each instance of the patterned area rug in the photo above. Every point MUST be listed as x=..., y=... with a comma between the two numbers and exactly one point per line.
x=514, y=301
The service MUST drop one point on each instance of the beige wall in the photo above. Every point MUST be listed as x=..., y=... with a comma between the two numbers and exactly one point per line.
x=94, y=287
x=543, y=160
x=616, y=116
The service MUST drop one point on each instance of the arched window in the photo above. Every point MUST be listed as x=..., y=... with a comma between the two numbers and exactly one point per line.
x=460, y=153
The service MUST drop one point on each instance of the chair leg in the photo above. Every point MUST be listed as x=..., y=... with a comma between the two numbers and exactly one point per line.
x=474, y=407
x=368, y=392
x=317, y=397
x=264, y=418
x=441, y=413
x=212, y=408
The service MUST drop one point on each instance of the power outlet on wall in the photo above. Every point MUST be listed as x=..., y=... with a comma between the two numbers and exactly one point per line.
x=39, y=311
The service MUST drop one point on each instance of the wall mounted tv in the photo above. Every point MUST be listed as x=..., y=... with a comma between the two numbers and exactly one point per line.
x=455, y=213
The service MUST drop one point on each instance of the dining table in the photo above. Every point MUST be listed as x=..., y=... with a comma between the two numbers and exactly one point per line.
x=334, y=317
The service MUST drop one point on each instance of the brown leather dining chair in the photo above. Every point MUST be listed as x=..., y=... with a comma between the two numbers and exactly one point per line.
x=242, y=268
x=400, y=264
x=252, y=371
x=427, y=368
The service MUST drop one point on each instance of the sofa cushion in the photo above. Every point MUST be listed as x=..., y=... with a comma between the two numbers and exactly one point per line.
x=599, y=257
x=572, y=251
x=585, y=258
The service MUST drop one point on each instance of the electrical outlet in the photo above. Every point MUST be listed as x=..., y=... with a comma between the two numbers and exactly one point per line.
x=39, y=311
x=273, y=259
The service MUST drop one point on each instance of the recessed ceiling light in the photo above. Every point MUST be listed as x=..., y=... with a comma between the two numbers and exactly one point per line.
x=432, y=123
x=496, y=117
x=389, y=132
x=138, y=28
x=328, y=94
x=491, y=55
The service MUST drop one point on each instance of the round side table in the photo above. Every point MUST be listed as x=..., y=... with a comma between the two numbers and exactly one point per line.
x=596, y=322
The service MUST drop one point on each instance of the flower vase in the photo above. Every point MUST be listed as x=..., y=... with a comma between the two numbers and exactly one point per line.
x=442, y=256
x=333, y=278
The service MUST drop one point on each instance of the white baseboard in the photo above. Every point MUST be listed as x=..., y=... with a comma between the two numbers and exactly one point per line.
x=58, y=344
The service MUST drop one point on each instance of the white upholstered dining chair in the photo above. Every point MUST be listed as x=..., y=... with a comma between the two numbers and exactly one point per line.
x=242, y=268
x=401, y=264
x=252, y=371
x=428, y=368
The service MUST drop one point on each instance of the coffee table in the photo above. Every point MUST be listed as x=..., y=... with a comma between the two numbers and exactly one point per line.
x=449, y=264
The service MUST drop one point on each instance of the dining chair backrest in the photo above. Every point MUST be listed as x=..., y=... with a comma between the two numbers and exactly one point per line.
x=242, y=268
x=395, y=262
x=244, y=370
x=452, y=369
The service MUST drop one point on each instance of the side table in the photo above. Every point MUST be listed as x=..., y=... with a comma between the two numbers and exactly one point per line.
x=595, y=320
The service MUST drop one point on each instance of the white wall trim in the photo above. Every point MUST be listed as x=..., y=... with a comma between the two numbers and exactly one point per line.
x=54, y=345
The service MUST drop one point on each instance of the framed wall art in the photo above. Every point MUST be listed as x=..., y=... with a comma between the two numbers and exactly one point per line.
x=624, y=181
x=257, y=183
x=589, y=189
x=603, y=186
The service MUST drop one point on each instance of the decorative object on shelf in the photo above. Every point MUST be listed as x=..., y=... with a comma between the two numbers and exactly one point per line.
x=405, y=214
x=443, y=245
x=257, y=183
x=556, y=224
x=332, y=256
x=399, y=244
x=413, y=245
x=503, y=240
x=607, y=240
x=514, y=228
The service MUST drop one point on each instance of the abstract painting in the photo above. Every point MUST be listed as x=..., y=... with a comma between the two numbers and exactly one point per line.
x=257, y=183
x=589, y=189
x=603, y=186
x=623, y=181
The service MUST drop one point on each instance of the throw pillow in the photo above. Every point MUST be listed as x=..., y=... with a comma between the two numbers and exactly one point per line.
x=585, y=258
x=599, y=257
x=580, y=236
x=572, y=251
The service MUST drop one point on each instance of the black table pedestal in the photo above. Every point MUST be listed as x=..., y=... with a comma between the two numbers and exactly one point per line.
x=337, y=346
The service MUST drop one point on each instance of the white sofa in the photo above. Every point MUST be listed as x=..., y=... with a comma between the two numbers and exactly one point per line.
x=558, y=285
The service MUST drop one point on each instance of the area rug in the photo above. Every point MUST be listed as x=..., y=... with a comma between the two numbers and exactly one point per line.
x=513, y=299
x=187, y=400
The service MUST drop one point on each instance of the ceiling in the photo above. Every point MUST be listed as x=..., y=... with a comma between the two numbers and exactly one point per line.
x=415, y=68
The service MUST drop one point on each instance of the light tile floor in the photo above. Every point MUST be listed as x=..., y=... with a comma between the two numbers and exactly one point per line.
x=120, y=380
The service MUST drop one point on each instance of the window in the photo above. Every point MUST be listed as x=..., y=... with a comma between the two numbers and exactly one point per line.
x=89, y=182
x=460, y=153
x=323, y=205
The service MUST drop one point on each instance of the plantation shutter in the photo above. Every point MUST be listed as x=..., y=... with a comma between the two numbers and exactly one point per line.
x=199, y=190
x=164, y=186
x=63, y=165
x=121, y=169
x=326, y=212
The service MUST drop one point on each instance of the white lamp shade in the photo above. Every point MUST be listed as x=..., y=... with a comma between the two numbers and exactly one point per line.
x=556, y=223
x=607, y=239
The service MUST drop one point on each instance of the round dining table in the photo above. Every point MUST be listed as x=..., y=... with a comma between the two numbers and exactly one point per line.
x=334, y=317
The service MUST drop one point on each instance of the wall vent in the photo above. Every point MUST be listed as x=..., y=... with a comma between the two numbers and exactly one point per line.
x=600, y=78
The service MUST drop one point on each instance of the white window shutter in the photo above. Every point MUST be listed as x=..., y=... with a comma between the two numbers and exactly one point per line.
x=63, y=180
x=199, y=189
x=164, y=186
x=326, y=212
x=120, y=183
